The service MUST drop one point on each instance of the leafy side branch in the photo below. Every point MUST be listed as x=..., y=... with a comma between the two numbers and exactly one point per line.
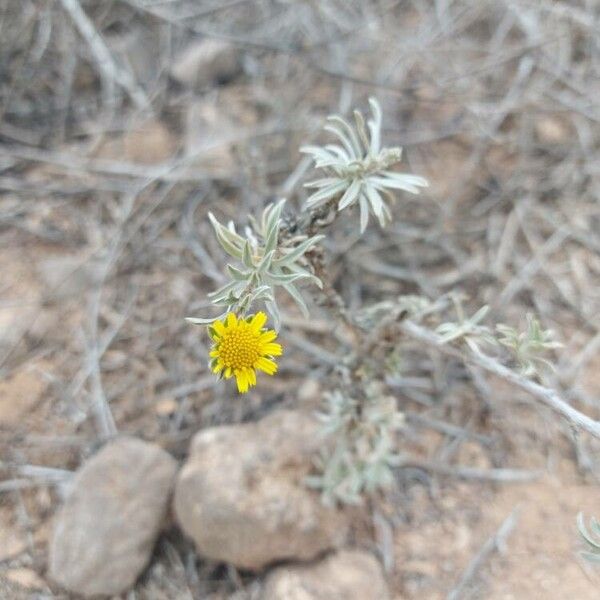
x=545, y=395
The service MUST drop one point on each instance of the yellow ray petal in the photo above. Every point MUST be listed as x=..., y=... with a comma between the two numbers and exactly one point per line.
x=266, y=365
x=268, y=336
x=258, y=321
x=219, y=327
x=231, y=320
x=241, y=380
x=272, y=349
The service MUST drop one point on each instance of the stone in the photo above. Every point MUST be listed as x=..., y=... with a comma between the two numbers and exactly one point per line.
x=241, y=495
x=25, y=578
x=552, y=130
x=346, y=575
x=206, y=62
x=150, y=143
x=105, y=532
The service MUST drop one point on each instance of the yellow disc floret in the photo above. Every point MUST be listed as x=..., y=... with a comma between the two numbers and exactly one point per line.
x=241, y=346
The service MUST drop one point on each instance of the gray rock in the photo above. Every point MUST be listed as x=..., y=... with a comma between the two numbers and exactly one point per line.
x=346, y=575
x=242, y=499
x=106, y=529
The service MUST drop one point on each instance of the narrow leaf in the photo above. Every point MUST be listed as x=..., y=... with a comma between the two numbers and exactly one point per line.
x=247, y=255
x=350, y=195
x=295, y=294
x=297, y=252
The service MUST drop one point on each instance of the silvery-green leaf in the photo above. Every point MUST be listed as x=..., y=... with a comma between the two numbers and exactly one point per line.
x=376, y=203
x=272, y=235
x=243, y=303
x=350, y=195
x=254, y=224
x=364, y=213
x=263, y=291
x=339, y=152
x=375, y=126
x=264, y=218
x=408, y=177
x=282, y=279
x=362, y=132
x=295, y=294
x=346, y=142
x=229, y=296
x=228, y=287
x=265, y=262
x=332, y=163
x=226, y=244
x=274, y=215
x=247, y=255
x=375, y=134
x=590, y=556
x=318, y=153
x=345, y=130
x=237, y=274
x=226, y=299
x=273, y=310
x=326, y=194
x=380, y=183
x=584, y=532
x=298, y=269
x=227, y=232
x=292, y=256
x=319, y=183
x=479, y=315
x=207, y=321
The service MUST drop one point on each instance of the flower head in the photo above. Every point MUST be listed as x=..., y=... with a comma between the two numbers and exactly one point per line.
x=241, y=346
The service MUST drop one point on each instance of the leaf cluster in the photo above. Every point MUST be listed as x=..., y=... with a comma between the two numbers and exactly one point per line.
x=363, y=453
x=526, y=346
x=263, y=262
x=356, y=168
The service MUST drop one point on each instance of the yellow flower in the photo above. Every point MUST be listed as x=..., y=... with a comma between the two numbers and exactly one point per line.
x=241, y=346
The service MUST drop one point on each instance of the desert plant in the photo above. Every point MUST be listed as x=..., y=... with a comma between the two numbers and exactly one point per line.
x=361, y=420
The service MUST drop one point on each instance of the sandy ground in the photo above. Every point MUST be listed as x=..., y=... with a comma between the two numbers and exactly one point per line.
x=105, y=245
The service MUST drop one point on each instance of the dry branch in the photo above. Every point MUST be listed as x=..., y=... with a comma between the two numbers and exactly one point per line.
x=545, y=395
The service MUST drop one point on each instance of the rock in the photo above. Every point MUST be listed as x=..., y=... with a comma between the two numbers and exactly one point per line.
x=552, y=130
x=346, y=575
x=206, y=62
x=150, y=143
x=242, y=499
x=25, y=578
x=104, y=533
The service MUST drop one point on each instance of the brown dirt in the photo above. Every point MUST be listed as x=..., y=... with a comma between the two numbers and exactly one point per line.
x=512, y=162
